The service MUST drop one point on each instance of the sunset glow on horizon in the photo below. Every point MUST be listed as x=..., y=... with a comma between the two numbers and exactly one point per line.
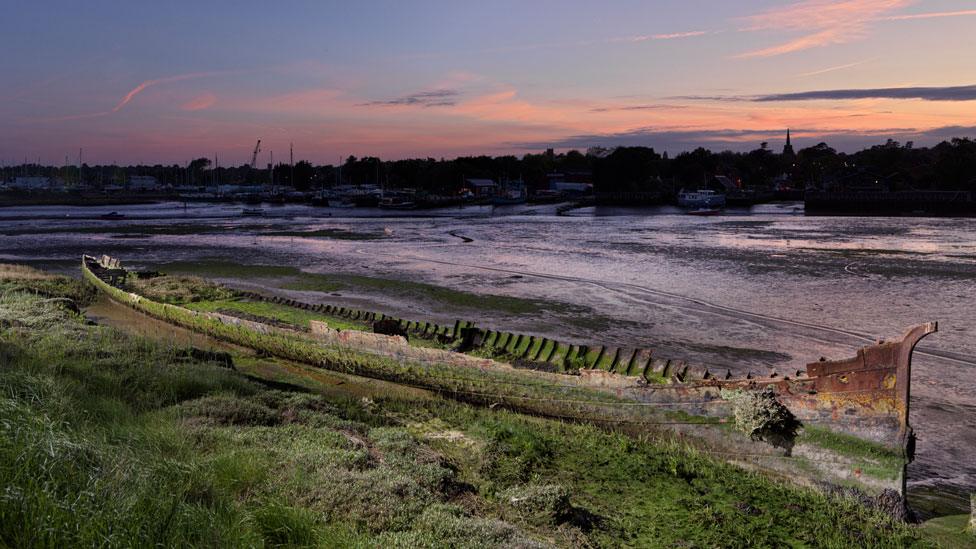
x=167, y=82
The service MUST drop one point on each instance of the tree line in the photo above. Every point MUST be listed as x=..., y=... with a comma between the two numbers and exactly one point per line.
x=950, y=165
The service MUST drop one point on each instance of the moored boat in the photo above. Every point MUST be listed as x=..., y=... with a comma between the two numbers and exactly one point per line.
x=702, y=198
x=398, y=201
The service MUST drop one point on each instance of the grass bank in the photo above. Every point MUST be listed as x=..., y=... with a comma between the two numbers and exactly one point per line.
x=23, y=279
x=112, y=440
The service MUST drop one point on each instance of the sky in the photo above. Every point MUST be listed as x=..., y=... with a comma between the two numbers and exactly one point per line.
x=164, y=82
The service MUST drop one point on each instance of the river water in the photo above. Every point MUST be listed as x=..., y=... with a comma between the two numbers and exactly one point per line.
x=754, y=290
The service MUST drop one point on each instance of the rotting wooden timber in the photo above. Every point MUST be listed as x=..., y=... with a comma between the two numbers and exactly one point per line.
x=852, y=414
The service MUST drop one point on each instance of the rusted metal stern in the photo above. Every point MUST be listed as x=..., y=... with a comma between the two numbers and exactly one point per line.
x=880, y=372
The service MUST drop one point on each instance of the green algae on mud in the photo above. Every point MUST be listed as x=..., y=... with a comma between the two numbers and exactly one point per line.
x=292, y=278
x=222, y=268
x=426, y=292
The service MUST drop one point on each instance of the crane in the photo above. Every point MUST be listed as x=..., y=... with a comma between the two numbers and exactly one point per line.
x=254, y=155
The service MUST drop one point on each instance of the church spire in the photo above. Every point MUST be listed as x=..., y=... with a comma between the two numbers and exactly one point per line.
x=788, y=148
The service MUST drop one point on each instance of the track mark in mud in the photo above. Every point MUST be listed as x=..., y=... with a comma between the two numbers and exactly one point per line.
x=465, y=239
x=850, y=269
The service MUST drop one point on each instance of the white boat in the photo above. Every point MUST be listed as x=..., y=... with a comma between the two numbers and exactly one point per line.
x=702, y=198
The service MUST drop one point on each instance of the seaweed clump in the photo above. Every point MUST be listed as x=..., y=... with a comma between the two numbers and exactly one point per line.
x=762, y=417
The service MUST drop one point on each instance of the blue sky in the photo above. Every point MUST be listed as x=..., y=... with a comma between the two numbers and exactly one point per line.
x=169, y=81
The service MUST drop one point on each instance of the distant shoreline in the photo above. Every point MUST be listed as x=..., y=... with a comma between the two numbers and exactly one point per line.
x=821, y=205
x=75, y=200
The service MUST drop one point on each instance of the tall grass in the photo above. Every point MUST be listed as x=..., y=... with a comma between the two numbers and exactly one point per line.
x=113, y=441
x=21, y=278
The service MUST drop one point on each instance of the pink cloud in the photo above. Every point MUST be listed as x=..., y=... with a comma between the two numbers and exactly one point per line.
x=507, y=106
x=816, y=40
x=821, y=22
x=149, y=83
x=200, y=102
